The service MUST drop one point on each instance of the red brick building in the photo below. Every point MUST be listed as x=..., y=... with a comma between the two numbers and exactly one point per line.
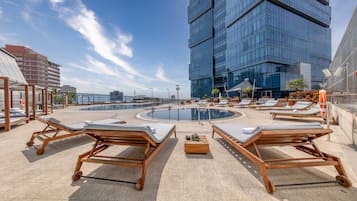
x=35, y=67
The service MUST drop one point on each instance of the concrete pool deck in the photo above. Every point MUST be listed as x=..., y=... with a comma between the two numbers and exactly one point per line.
x=222, y=175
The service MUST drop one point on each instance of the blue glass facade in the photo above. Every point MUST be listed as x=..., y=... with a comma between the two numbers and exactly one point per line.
x=263, y=40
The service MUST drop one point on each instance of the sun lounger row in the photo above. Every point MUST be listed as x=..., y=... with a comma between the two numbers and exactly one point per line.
x=110, y=132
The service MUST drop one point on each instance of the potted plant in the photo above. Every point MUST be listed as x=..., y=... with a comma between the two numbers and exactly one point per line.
x=248, y=91
x=215, y=91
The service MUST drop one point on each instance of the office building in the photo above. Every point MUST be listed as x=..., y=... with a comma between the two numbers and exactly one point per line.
x=53, y=75
x=35, y=67
x=269, y=41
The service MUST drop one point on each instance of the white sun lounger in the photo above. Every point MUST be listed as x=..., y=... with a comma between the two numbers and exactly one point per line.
x=244, y=103
x=312, y=112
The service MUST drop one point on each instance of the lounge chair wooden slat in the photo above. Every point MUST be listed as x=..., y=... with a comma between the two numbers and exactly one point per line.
x=112, y=162
x=290, y=159
x=301, y=164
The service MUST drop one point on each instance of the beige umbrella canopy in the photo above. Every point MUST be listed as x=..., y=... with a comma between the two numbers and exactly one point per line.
x=9, y=69
x=243, y=85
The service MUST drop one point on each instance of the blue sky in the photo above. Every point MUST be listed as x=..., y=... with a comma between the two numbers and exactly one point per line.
x=125, y=45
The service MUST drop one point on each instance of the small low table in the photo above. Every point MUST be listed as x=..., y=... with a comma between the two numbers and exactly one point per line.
x=197, y=147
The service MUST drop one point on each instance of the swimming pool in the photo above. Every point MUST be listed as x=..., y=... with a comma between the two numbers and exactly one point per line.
x=120, y=107
x=188, y=114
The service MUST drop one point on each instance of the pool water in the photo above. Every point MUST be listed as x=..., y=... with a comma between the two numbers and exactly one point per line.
x=188, y=114
x=119, y=107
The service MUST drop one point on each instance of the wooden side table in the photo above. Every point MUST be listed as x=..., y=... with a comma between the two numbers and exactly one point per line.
x=197, y=147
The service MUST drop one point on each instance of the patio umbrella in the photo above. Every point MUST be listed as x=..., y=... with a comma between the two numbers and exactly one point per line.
x=245, y=84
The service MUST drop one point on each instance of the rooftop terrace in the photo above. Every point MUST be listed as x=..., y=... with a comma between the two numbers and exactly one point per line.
x=223, y=174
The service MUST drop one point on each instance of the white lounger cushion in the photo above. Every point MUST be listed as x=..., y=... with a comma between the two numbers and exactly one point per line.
x=312, y=111
x=161, y=131
x=299, y=105
x=13, y=114
x=236, y=130
x=270, y=103
x=12, y=119
x=80, y=126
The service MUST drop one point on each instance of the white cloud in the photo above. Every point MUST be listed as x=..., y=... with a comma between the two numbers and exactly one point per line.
x=84, y=21
x=160, y=75
x=99, y=68
x=95, y=66
x=26, y=16
x=3, y=39
x=53, y=2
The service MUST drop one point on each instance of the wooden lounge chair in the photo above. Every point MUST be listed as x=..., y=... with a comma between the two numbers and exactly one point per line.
x=56, y=130
x=268, y=103
x=244, y=103
x=299, y=105
x=153, y=137
x=312, y=112
x=222, y=103
x=300, y=136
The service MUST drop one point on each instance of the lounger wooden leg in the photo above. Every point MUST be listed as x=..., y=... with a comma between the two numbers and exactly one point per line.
x=140, y=183
x=96, y=149
x=34, y=135
x=267, y=183
x=213, y=133
x=342, y=177
x=77, y=173
x=32, y=139
x=43, y=147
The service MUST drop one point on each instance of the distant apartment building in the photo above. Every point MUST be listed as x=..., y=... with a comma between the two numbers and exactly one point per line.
x=35, y=67
x=116, y=96
x=67, y=89
x=53, y=75
x=269, y=41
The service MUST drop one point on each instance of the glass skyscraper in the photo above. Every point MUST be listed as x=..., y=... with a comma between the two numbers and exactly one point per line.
x=269, y=41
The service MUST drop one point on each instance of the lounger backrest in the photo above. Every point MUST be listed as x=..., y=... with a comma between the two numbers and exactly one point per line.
x=315, y=109
x=53, y=120
x=245, y=102
x=270, y=102
x=290, y=127
x=223, y=102
x=127, y=129
x=300, y=132
x=301, y=104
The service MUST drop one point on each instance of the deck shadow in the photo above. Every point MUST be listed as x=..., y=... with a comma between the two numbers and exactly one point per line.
x=94, y=189
x=330, y=191
x=200, y=156
x=54, y=147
